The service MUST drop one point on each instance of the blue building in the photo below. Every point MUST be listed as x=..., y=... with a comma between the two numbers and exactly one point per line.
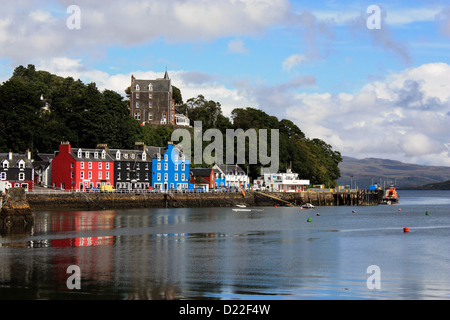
x=219, y=177
x=170, y=168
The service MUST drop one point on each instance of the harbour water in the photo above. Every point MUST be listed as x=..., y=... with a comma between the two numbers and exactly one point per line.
x=217, y=253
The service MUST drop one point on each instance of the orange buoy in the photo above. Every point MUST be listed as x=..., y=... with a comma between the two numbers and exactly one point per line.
x=399, y=209
x=405, y=229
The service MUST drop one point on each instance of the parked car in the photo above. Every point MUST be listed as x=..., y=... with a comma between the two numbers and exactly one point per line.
x=107, y=188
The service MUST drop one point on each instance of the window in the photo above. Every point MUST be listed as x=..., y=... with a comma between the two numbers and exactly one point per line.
x=158, y=156
x=3, y=176
x=183, y=167
x=166, y=176
x=90, y=175
x=176, y=166
x=166, y=166
x=86, y=154
x=137, y=116
x=81, y=174
x=158, y=166
x=107, y=166
x=100, y=166
x=146, y=176
x=103, y=154
x=81, y=165
x=21, y=164
x=144, y=157
x=137, y=87
x=118, y=175
x=183, y=177
x=79, y=155
x=150, y=87
x=158, y=177
x=150, y=104
x=176, y=176
x=150, y=95
x=107, y=175
x=137, y=95
x=96, y=155
x=89, y=165
x=118, y=155
x=100, y=175
x=166, y=157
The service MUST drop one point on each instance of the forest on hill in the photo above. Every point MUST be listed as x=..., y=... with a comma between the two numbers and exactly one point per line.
x=38, y=110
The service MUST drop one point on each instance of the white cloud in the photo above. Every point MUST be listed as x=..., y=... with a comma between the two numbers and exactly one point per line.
x=237, y=46
x=293, y=61
x=404, y=117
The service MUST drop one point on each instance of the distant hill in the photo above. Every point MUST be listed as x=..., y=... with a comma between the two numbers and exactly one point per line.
x=434, y=186
x=384, y=172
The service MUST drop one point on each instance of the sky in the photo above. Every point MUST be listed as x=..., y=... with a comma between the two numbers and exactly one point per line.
x=370, y=78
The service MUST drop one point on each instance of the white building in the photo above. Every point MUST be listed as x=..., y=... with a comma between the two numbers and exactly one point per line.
x=282, y=182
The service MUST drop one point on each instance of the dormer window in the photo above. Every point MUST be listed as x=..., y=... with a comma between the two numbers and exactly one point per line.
x=166, y=157
x=150, y=87
x=137, y=87
x=86, y=154
x=96, y=155
x=5, y=164
x=103, y=154
x=118, y=155
x=144, y=156
x=125, y=155
x=158, y=156
x=79, y=153
x=21, y=164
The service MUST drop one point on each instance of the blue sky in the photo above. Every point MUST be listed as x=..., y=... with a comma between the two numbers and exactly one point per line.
x=369, y=93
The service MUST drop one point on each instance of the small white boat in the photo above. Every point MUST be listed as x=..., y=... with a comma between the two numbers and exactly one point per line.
x=241, y=205
x=237, y=210
x=307, y=206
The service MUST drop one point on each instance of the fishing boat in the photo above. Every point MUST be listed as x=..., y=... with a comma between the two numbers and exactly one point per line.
x=307, y=206
x=391, y=196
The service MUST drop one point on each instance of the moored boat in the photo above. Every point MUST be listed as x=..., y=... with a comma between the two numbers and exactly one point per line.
x=307, y=206
x=391, y=196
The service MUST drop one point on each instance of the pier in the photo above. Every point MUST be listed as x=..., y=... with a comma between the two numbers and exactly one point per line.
x=103, y=201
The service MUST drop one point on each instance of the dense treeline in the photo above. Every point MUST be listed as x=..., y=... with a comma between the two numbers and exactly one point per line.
x=38, y=110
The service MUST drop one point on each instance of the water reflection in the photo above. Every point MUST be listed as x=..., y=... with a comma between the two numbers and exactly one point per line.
x=214, y=253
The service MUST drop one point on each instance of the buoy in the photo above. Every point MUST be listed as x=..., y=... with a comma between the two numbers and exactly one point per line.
x=427, y=213
x=309, y=219
x=399, y=209
x=405, y=229
x=275, y=206
x=354, y=211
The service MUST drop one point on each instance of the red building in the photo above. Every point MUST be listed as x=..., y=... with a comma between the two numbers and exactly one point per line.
x=80, y=169
x=203, y=177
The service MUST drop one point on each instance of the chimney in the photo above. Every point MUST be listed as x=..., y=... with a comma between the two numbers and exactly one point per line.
x=140, y=146
x=10, y=155
x=28, y=154
x=102, y=146
x=65, y=147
